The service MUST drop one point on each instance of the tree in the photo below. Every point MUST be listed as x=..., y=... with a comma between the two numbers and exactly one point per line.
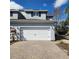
x=62, y=26
x=67, y=12
x=57, y=13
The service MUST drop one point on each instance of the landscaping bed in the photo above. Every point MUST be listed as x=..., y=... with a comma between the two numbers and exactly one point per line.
x=64, y=46
x=12, y=42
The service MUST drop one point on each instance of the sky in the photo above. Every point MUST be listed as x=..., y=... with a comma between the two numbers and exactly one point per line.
x=49, y=5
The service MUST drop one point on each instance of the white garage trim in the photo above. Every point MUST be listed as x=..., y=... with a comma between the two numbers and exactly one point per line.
x=39, y=28
x=52, y=33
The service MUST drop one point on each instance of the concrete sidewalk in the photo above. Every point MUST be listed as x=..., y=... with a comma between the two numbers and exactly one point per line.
x=36, y=50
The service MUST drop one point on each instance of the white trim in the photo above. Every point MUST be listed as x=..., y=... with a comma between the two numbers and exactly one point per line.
x=24, y=14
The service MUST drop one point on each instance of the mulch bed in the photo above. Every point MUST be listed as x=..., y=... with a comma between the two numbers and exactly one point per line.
x=12, y=42
x=64, y=46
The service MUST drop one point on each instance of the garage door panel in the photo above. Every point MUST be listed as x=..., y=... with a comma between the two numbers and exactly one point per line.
x=42, y=35
x=28, y=35
x=36, y=34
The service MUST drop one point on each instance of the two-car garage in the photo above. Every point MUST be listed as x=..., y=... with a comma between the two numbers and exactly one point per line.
x=37, y=33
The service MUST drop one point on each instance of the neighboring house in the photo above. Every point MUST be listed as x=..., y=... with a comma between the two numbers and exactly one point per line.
x=32, y=24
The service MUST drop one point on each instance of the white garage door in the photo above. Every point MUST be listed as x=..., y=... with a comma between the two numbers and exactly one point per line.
x=37, y=33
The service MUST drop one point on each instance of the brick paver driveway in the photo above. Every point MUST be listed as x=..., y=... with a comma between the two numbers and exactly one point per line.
x=36, y=50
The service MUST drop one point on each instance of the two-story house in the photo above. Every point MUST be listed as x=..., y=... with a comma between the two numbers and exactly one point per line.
x=32, y=24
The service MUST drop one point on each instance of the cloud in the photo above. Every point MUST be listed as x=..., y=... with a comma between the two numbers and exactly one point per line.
x=59, y=3
x=14, y=5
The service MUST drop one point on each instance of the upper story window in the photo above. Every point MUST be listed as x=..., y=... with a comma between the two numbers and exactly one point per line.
x=11, y=14
x=35, y=14
x=39, y=14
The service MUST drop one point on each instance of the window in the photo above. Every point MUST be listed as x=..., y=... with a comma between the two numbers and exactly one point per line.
x=11, y=14
x=35, y=14
x=39, y=14
x=31, y=14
